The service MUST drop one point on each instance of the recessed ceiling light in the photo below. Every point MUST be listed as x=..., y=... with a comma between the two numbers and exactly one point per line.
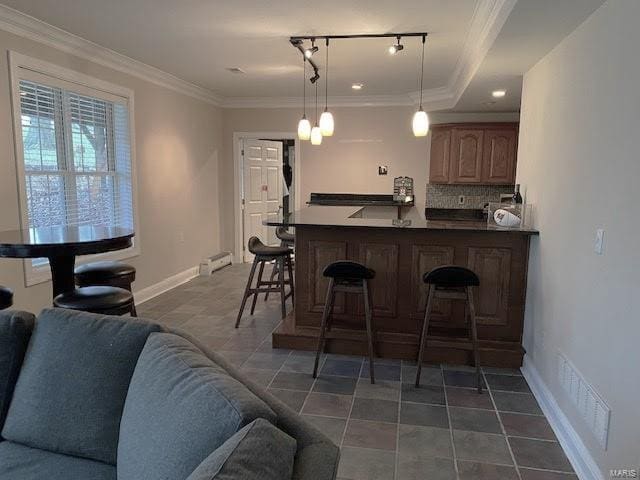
x=357, y=86
x=235, y=70
x=498, y=93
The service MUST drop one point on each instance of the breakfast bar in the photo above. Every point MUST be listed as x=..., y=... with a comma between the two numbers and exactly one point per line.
x=401, y=252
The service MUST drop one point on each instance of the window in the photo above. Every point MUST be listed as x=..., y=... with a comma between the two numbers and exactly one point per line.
x=74, y=155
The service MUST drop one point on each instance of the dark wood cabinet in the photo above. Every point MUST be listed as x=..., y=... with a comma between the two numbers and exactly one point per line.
x=499, y=157
x=440, y=155
x=481, y=154
x=466, y=155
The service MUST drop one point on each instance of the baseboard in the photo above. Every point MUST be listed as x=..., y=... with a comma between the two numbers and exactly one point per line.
x=580, y=458
x=167, y=284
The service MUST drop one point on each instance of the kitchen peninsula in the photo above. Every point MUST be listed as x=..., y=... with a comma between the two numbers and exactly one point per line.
x=400, y=255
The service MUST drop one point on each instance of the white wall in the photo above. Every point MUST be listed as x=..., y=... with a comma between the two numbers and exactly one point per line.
x=579, y=165
x=178, y=140
x=347, y=162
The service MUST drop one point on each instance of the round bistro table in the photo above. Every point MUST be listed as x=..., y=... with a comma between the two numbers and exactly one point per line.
x=61, y=245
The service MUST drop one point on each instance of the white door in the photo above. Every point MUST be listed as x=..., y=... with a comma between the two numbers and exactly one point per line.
x=262, y=180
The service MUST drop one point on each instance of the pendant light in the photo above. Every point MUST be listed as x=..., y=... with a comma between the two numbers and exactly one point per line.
x=304, y=127
x=326, y=119
x=420, y=118
x=316, y=133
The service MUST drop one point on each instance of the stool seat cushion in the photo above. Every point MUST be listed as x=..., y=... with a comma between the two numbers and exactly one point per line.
x=73, y=383
x=6, y=297
x=15, y=332
x=348, y=270
x=25, y=463
x=101, y=271
x=285, y=236
x=258, y=248
x=94, y=298
x=451, y=276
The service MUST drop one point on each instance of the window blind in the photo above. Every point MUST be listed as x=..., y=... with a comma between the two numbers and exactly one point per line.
x=77, y=159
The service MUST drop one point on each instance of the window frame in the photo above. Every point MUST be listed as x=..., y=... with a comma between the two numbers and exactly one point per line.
x=22, y=67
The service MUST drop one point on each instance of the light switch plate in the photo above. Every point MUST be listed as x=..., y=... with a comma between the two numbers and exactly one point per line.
x=599, y=243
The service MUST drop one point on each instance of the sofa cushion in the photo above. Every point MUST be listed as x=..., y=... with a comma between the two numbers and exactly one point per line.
x=73, y=383
x=18, y=462
x=257, y=452
x=15, y=331
x=180, y=407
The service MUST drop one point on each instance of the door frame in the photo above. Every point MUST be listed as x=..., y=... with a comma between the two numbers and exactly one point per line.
x=238, y=168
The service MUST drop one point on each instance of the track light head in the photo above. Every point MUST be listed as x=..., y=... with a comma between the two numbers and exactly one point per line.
x=396, y=47
x=308, y=52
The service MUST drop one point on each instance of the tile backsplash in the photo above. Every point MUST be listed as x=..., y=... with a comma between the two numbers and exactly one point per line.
x=475, y=196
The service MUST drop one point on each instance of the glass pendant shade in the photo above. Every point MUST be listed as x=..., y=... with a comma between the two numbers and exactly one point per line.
x=420, y=123
x=316, y=136
x=326, y=124
x=304, y=129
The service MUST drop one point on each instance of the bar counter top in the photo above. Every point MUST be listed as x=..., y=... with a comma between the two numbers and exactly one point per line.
x=350, y=217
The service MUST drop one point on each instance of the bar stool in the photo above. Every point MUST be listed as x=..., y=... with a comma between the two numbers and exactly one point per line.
x=263, y=254
x=6, y=297
x=348, y=277
x=106, y=273
x=287, y=239
x=451, y=282
x=97, y=299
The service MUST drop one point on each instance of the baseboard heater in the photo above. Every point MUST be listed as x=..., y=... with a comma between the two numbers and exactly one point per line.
x=216, y=262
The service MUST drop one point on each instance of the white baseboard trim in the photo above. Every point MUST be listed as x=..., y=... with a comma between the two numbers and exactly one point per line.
x=580, y=458
x=167, y=284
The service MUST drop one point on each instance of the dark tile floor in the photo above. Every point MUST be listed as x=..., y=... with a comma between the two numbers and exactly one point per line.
x=391, y=430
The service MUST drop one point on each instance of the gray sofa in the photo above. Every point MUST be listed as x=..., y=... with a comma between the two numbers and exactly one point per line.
x=86, y=396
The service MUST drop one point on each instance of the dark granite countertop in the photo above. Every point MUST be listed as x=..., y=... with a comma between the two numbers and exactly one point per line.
x=347, y=217
x=356, y=199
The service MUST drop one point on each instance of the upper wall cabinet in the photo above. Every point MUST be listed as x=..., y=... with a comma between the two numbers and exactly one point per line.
x=478, y=154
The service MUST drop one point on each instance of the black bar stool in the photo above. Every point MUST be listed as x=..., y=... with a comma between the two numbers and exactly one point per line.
x=287, y=239
x=451, y=282
x=106, y=273
x=348, y=277
x=97, y=299
x=6, y=297
x=263, y=254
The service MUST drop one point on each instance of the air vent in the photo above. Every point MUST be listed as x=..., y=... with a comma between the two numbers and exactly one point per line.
x=235, y=70
x=592, y=408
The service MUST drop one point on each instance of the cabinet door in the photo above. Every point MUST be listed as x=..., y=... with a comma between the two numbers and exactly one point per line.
x=499, y=162
x=493, y=267
x=439, y=161
x=466, y=155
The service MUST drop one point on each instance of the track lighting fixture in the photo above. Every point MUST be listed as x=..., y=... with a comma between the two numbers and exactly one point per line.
x=324, y=125
x=420, y=118
x=326, y=119
x=396, y=47
x=304, y=126
x=310, y=51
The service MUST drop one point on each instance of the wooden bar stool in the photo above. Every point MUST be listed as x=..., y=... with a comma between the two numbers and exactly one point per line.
x=97, y=299
x=287, y=239
x=263, y=254
x=348, y=277
x=451, y=282
x=6, y=297
x=106, y=273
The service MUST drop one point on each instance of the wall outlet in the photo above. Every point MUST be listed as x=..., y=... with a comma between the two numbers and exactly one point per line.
x=591, y=407
x=598, y=246
x=461, y=199
x=181, y=237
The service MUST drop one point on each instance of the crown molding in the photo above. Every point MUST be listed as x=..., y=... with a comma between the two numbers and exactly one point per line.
x=26, y=26
x=433, y=99
x=488, y=19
